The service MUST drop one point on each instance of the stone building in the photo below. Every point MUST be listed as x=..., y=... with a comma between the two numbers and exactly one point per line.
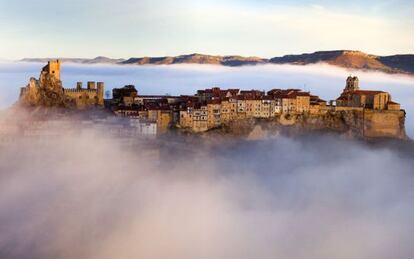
x=353, y=97
x=49, y=91
x=195, y=118
x=228, y=110
x=317, y=105
x=213, y=114
x=290, y=100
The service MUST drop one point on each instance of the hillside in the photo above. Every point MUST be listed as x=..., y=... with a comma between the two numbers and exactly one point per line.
x=352, y=60
x=198, y=59
x=341, y=58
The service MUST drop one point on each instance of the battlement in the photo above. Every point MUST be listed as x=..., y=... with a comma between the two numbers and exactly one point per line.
x=77, y=90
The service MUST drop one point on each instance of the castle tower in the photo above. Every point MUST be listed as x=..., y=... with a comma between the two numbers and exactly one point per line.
x=100, y=93
x=79, y=85
x=53, y=68
x=352, y=84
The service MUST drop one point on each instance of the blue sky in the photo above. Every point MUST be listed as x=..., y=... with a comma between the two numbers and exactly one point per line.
x=125, y=28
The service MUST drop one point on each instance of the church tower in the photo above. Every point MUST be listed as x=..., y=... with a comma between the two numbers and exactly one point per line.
x=352, y=84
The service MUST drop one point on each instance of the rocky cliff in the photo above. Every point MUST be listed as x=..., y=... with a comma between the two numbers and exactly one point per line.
x=47, y=91
x=366, y=124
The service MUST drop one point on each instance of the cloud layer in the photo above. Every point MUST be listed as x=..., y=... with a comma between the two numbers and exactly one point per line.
x=309, y=197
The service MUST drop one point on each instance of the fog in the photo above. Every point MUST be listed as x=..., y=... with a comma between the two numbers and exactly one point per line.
x=207, y=197
x=323, y=80
x=308, y=197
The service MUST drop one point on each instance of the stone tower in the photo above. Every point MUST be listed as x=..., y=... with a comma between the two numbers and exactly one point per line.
x=352, y=84
x=53, y=68
x=100, y=93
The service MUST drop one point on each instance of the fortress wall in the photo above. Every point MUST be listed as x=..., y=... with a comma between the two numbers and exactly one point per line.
x=83, y=98
x=76, y=90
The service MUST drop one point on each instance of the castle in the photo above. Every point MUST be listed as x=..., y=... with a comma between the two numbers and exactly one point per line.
x=48, y=91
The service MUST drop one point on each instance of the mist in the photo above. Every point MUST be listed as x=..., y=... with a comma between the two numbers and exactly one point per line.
x=307, y=197
x=323, y=80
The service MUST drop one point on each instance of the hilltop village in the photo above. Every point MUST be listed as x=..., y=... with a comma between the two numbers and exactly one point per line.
x=361, y=112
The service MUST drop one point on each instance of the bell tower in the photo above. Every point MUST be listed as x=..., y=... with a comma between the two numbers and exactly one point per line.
x=352, y=84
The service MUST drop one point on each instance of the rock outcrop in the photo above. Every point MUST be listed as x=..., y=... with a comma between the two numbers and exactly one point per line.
x=354, y=124
x=46, y=92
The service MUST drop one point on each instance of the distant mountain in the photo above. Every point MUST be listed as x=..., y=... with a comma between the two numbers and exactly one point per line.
x=97, y=60
x=198, y=59
x=342, y=58
x=400, y=62
x=353, y=60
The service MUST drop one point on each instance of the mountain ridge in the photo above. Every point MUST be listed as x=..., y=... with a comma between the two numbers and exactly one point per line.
x=350, y=59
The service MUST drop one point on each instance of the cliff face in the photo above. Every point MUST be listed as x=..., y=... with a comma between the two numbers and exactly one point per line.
x=361, y=124
x=384, y=124
x=356, y=124
x=47, y=92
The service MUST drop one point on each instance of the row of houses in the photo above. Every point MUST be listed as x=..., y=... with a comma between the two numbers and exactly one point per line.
x=211, y=108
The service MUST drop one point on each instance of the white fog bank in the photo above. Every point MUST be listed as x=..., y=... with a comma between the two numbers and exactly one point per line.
x=316, y=197
x=323, y=80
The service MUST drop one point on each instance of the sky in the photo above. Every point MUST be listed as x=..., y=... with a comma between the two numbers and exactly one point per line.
x=129, y=28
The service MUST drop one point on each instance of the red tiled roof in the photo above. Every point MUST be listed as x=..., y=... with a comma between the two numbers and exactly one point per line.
x=366, y=92
x=214, y=101
x=295, y=94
